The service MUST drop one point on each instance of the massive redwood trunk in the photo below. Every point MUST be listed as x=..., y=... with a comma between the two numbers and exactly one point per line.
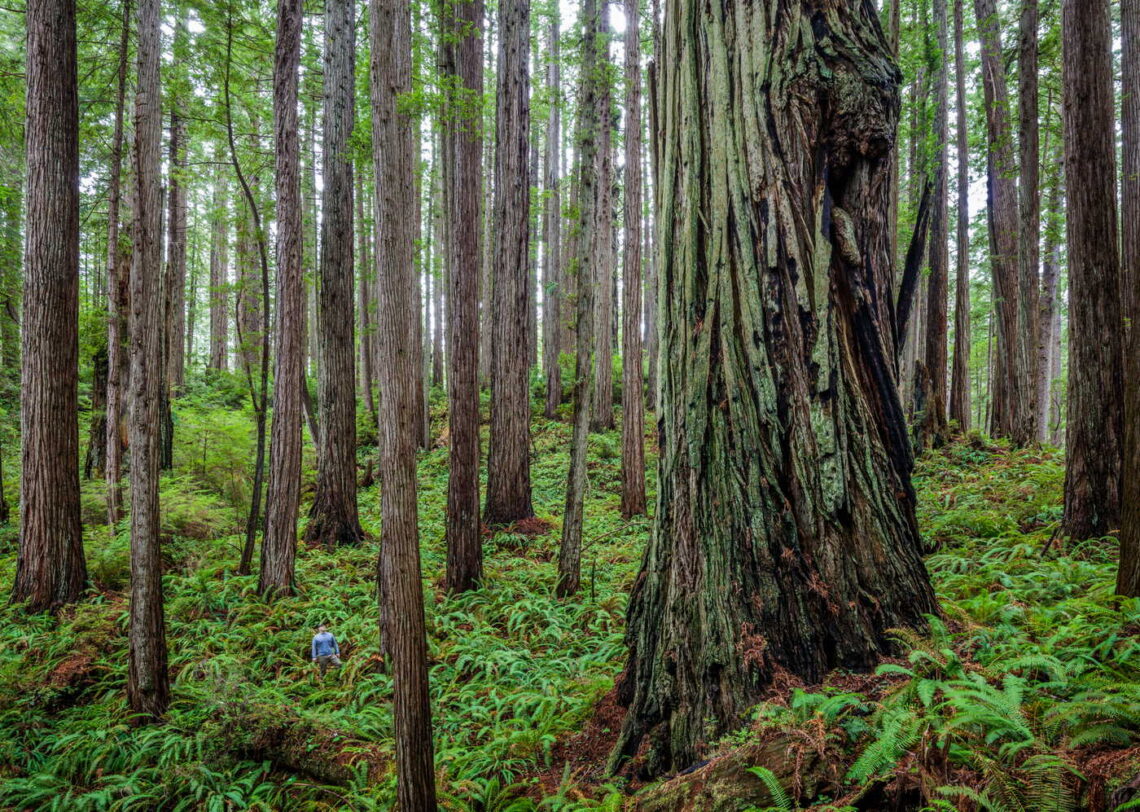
x=1096, y=384
x=1128, y=575
x=50, y=569
x=508, y=457
x=786, y=538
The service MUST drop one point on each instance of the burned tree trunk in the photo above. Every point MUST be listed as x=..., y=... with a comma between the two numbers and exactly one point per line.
x=786, y=537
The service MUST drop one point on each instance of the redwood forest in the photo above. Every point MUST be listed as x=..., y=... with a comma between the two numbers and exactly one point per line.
x=558, y=405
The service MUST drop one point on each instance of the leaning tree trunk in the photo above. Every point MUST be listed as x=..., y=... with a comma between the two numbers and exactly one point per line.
x=786, y=538
x=1128, y=574
x=279, y=548
x=632, y=402
x=50, y=570
x=148, y=684
x=401, y=584
x=508, y=456
x=960, y=364
x=334, y=518
x=1096, y=384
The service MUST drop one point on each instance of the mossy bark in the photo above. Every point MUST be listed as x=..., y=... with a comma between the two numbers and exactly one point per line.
x=786, y=538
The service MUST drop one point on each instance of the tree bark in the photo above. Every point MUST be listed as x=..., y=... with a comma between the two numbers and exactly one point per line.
x=1096, y=385
x=367, y=280
x=219, y=277
x=333, y=518
x=1128, y=574
x=148, y=685
x=175, y=285
x=786, y=538
x=1029, y=206
x=401, y=585
x=1012, y=415
x=50, y=569
x=118, y=283
x=632, y=402
x=508, y=457
x=589, y=197
x=934, y=431
x=960, y=365
x=463, y=146
x=601, y=261
x=652, y=341
x=279, y=548
x=552, y=228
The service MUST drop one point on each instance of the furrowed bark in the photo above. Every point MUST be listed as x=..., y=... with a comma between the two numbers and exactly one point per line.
x=1128, y=574
x=960, y=365
x=552, y=230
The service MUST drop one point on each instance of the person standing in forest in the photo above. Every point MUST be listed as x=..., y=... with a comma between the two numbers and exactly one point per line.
x=325, y=650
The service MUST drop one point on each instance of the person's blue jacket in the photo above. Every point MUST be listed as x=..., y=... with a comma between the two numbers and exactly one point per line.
x=325, y=644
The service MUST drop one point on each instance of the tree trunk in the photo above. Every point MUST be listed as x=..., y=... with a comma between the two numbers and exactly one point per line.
x=219, y=277
x=552, y=229
x=1029, y=207
x=934, y=430
x=785, y=513
x=462, y=164
x=250, y=300
x=1096, y=386
x=1011, y=405
x=401, y=585
x=334, y=519
x=1128, y=574
x=279, y=548
x=589, y=196
x=632, y=402
x=175, y=286
x=508, y=457
x=11, y=250
x=118, y=282
x=50, y=570
x=960, y=365
x=601, y=258
x=652, y=341
x=440, y=259
x=148, y=685
x=1050, y=273
x=367, y=279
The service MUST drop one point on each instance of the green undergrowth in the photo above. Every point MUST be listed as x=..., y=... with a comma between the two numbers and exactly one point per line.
x=1025, y=695
x=1015, y=698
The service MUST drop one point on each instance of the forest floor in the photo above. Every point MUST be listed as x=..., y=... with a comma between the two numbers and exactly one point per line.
x=1026, y=694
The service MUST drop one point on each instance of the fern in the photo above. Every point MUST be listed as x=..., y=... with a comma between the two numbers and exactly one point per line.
x=780, y=799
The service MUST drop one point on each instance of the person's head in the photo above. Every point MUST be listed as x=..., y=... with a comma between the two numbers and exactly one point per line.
x=322, y=629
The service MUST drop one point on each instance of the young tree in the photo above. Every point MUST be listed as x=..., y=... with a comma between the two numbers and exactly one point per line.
x=219, y=277
x=461, y=24
x=1096, y=384
x=792, y=538
x=960, y=365
x=508, y=458
x=552, y=227
x=401, y=587
x=148, y=686
x=632, y=402
x=1128, y=574
x=584, y=242
x=279, y=548
x=50, y=570
x=334, y=518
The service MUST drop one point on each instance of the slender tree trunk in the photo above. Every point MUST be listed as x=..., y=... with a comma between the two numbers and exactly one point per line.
x=934, y=430
x=552, y=228
x=279, y=548
x=1049, y=336
x=463, y=147
x=50, y=570
x=175, y=286
x=118, y=282
x=508, y=458
x=1011, y=404
x=1029, y=205
x=148, y=686
x=632, y=402
x=652, y=341
x=589, y=195
x=401, y=585
x=219, y=277
x=793, y=539
x=1095, y=422
x=11, y=264
x=960, y=365
x=333, y=518
x=440, y=260
x=1094, y=441
x=1128, y=574
x=367, y=279
x=601, y=259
